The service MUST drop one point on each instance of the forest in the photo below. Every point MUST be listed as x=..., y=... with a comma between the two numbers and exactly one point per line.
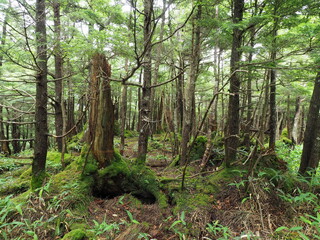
x=159, y=119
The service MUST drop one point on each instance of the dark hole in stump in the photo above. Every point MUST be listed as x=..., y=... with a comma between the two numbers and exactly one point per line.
x=109, y=189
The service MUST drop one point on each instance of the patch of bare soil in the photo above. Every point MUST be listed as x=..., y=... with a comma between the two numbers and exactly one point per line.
x=153, y=220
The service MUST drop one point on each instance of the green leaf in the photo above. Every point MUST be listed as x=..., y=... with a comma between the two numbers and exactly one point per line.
x=175, y=223
x=296, y=228
x=18, y=208
x=281, y=228
x=303, y=236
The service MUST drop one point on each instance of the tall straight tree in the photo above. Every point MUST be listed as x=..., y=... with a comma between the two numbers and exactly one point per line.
x=145, y=112
x=311, y=149
x=188, y=115
x=232, y=131
x=58, y=74
x=272, y=101
x=41, y=118
x=4, y=146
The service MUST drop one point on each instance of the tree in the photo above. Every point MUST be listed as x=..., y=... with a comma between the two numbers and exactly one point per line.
x=189, y=96
x=58, y=61
x=233, y=121
x=311, y=144
x=145, y=112
x=101, y=119
x=41, y=118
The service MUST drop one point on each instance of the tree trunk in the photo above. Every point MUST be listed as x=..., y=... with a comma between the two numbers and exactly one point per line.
x=309, y=160
x=101, y=119
x=15, y=132
x=288, y=120
x=144, y=110
x=249, y=120
x=189, y=111
x=159, y=49
x=58, y=61
x=232, y=132
x=296, y=128
x=41, y=118
x=4, y=147
x=123, y=116
x=213, y=115
x=273, y=107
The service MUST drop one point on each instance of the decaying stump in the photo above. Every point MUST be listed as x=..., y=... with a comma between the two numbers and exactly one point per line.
x=101, y=118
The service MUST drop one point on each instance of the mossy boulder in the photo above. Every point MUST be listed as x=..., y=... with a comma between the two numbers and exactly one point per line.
x=77, y=234
x=124, y=177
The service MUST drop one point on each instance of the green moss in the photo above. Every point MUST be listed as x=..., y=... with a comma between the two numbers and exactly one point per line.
x=77, y=234
x=22, y=198
x=75, y=143
x=20, y=171
x=26, y=175
x=123, y=177
x=37, y=180
x=14, y=186
x=203, y=188
x=284, y=133
x=198, y=148
x=75, y=226
x=54, y=161
x=187, y=202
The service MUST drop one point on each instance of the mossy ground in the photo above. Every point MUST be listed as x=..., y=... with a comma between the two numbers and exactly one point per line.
x=69, y=206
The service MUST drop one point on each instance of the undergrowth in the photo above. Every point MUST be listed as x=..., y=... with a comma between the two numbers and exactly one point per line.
x=266, y=203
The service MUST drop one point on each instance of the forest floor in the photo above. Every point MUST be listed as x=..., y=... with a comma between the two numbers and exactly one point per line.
x=216, y=204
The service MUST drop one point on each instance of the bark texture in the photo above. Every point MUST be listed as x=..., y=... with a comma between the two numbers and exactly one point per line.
x=310, y=153
x=58, y=62
x=101, y=119
x=232, y=131
x=189, y=111
x=145, y=112
x=41, y=118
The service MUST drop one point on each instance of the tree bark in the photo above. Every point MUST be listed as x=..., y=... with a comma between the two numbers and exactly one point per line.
x=101, y=119
x=309, y=160
x=41, y=118
x=297, y=124
x=58, y=63
x=4, y=145
x=232, y=132
x=144, y=110
x=16, y=134
x=123, y=116
x=272, y=105
x=189, y=111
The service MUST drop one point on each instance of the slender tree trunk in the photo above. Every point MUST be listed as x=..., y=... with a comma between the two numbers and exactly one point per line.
x=123, y=116
x=157, y=63
x=213, y=115
x=189, y=111
x=310, y=157
x=289, y=128
x=41, y=118
x=145, y=111
x=4, y=145
x=296, y=128
x=249, y=119
x=16, y=134
x=58, y=61
x=232, y=133
x=273, y=106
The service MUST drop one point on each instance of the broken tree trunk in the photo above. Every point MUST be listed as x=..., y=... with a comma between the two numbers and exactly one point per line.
x=101, y=119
